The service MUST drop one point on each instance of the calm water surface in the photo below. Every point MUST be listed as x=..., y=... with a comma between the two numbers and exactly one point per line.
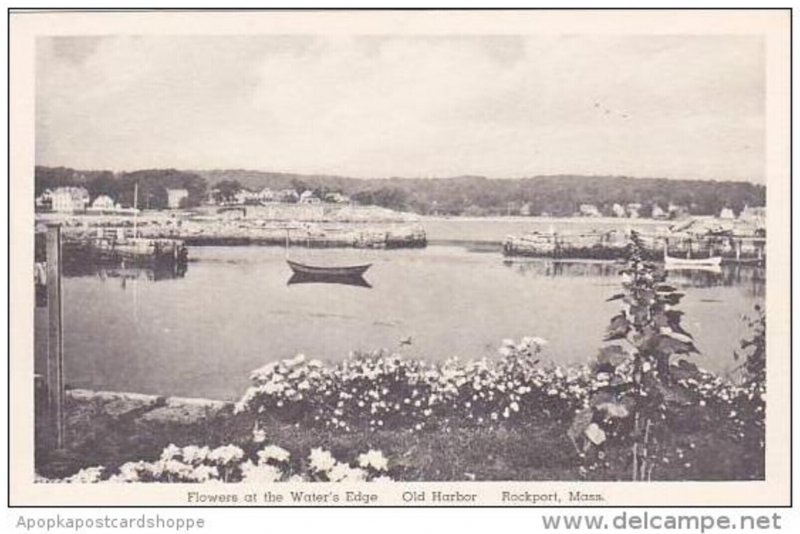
x=232, y=311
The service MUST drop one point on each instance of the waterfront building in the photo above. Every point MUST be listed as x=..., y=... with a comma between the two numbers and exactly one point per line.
x=103, y=202
x=175, y=197
x=308, y=197
x=618, y=211
x=633, y=210
x=589, y=210
x=69, y=199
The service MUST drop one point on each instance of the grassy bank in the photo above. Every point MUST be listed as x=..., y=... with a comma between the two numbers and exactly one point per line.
x=708, y=435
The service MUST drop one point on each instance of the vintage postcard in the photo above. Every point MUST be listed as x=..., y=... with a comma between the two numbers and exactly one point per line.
x=381, y=258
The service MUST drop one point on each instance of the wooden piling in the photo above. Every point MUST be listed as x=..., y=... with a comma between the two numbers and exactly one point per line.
x=55, y=352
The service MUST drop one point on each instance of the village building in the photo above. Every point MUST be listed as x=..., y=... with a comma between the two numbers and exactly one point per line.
x=175, y=197
x=726, y=213
x=633, y=210
x=618, y=211
x=337, y=198
x=658, y=212
x=676, y=211
x=245, y=196
x=103, y=202
x=756, y=213
x=69, y=199
x=308, y=197
x=45, y=200
x=589, y=210
x=525, y=210
x=266, y=195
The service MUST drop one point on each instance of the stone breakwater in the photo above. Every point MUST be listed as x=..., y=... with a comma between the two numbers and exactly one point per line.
x=222, y=232
x=612, y=245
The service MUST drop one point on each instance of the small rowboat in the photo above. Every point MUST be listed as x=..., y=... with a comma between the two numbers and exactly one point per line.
x=347, y=271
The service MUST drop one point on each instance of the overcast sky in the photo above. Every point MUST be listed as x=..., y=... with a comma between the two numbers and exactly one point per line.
x=670, y=106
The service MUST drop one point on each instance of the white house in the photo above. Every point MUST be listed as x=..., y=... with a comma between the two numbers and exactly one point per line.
x=618, y=211
x=633, y=210
x=726, y=213
x=266, y=195
x=69, y=199
x=337, y=198
x=103, y=202
x=658, y=212
x=307, y=197
x=245, y=196
x=589, y=210
x=175, y=197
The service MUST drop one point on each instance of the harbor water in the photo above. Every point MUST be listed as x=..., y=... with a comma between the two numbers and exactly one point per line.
x=233, y=310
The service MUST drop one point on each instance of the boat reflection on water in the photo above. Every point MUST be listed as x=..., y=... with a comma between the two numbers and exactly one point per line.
x=356, y=280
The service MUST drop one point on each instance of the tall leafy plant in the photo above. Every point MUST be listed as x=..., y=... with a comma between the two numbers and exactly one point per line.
x=633, y=368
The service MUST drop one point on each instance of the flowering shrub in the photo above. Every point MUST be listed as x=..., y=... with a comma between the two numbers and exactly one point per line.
x=380, y=390
x=231, y=463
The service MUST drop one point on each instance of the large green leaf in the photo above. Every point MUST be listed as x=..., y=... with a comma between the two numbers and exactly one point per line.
x=669, y=344
x=618, y=327
x=612, y=355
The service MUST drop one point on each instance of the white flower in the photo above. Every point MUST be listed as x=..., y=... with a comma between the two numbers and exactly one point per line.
x=171, y=451
x=273, y=452
x=129, y=472
x=193, y=454
x=344, y=473
x=374, y=459
x=226, y=454
x=88, y=475
x=321, y=460
x=204, y=473
x=260, y=473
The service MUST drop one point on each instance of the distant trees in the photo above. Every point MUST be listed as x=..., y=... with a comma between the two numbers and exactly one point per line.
x=227, y=189
x=388, y=197
x=474, y=195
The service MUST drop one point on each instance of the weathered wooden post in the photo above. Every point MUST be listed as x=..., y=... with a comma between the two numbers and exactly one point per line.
x=55, y=352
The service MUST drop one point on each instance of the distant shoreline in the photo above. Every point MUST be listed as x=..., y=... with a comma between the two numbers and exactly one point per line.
x=539, y=219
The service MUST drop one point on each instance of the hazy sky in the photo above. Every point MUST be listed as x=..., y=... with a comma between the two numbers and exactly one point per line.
x=668, y=106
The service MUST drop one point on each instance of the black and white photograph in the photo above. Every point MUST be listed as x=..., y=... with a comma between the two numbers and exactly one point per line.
x=391, y=248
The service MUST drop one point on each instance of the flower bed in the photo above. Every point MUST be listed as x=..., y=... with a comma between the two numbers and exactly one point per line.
x=230, y=463
x=385, y=391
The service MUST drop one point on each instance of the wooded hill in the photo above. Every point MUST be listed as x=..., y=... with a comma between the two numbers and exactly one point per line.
x=557, y=195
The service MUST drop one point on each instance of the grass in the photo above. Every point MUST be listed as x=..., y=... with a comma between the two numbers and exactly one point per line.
x=696, y=443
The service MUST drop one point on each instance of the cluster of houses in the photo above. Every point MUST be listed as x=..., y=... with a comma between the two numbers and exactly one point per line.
x=269, y=196
x=74, y=199
x=635, y=210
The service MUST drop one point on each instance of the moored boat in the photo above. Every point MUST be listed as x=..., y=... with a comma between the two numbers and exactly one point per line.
x=344, y=271
x=686, y=263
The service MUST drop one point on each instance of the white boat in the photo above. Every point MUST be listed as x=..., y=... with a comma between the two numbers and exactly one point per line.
x=671, y=262
x=688, y=263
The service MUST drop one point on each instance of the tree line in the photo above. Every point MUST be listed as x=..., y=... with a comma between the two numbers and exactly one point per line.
x=560, y=195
